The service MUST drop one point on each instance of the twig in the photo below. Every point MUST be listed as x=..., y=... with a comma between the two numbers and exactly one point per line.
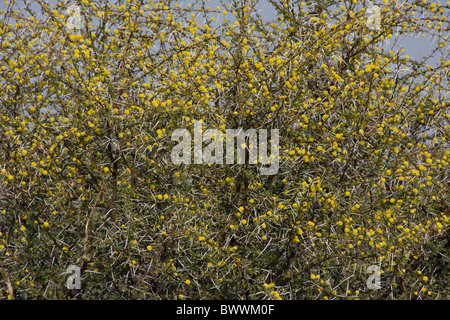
x=8, y=282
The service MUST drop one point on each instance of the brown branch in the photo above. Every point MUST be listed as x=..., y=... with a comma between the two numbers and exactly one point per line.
x=7, y=280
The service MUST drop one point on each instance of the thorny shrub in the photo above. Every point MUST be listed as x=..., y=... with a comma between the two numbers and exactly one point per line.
x=86, y=178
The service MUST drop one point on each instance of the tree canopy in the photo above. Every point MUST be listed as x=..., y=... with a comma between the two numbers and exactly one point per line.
x=88, y=106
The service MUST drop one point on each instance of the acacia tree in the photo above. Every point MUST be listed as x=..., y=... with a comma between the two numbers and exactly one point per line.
x=86, y=175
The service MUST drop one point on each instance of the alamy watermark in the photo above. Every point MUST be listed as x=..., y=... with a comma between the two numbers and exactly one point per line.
x=374, y=281
x=374, y=20
x=251, y=147
x=74, y=279
x=74, y=20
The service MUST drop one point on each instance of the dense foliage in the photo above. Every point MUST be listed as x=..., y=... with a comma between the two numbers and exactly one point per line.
x=86, y=177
